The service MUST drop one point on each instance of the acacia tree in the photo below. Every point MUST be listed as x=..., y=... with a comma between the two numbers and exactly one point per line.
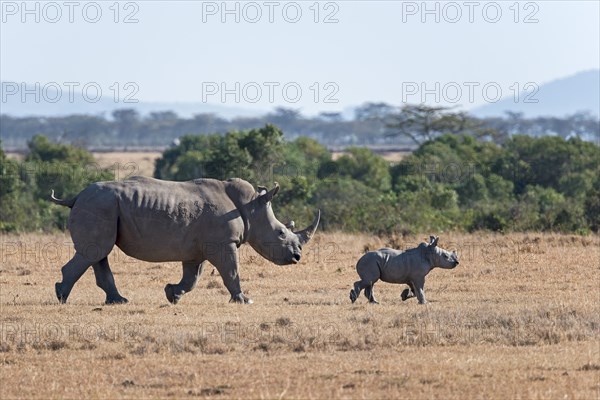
x=373, y=111
x=422, y=123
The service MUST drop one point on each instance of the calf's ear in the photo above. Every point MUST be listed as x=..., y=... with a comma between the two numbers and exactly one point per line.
x=433, y=241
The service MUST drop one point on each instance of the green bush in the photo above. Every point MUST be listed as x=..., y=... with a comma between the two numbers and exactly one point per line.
x=592, y=204
x=242, y=154
x=454, y=182
x=11, y=187
x=26, y=185
x=363, y=165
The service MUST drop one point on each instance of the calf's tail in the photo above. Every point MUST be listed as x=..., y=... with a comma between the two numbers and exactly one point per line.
x=67, y=203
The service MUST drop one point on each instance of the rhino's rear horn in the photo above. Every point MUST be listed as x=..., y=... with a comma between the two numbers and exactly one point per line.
x=306, y=234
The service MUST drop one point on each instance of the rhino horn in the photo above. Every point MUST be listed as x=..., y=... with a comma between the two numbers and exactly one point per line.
x=306, y=234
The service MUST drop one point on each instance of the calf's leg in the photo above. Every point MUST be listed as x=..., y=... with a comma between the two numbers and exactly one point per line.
x=408, y=293
x=369, y=293
x=369, y=273
x=191, y=273
x=355, y=291
x=358, y=287
x=419, y=291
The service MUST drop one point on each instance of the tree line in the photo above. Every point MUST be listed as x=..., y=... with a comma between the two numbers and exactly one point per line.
x=452, y=181
x=371, y=124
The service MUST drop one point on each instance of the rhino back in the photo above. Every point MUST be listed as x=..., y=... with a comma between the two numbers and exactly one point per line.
x=162, y=220
x=403, y=266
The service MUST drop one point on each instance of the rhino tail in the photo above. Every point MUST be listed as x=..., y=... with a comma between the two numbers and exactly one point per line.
x=67, y=203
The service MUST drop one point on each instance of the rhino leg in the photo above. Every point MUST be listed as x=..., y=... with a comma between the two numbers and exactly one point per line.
x=419, y=291
x=369, y=293
x=358, y=287
x=226, y=262
x=71, y=272
x=106, y=281
x=369, y=273
x=191, y=273
x=408, y=293
x=355, y=292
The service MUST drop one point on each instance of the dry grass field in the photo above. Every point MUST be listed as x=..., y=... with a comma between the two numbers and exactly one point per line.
x=126, y=164
x=518, y=318
x=392, y=156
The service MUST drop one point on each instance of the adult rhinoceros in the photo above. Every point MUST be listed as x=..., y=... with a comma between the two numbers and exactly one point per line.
x=192, y=222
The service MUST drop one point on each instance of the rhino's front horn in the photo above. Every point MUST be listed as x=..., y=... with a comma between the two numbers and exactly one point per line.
x=305, y=234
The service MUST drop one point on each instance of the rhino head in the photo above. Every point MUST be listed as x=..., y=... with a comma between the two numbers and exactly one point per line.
x=439, y=257
x=272, y=239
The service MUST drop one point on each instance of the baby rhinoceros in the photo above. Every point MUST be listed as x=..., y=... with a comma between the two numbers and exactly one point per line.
x=396, y=266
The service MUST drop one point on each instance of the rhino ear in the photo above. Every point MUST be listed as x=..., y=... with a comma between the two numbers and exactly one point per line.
x=262, y=190
x=268, y=196
x=290, y=225
x=433, y=241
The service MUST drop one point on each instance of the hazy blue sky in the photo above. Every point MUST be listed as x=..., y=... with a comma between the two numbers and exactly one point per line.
x=371, y=51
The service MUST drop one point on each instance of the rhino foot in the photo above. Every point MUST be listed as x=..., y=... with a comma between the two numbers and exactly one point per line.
x=405, y=294
x=353, y=295
x=241, y=299
x=116, y=300
x=62, y=298
x=171, y=296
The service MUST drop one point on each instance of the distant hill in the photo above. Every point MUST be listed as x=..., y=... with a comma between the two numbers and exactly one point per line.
x=558, y=98
x=46, y=106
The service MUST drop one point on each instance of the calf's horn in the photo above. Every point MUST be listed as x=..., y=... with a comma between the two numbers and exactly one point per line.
x=305, y=234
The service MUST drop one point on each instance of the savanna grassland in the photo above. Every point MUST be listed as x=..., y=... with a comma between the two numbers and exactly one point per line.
x=518, y=318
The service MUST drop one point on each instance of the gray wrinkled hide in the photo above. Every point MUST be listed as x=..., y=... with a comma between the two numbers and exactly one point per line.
x=192, y=222
x=395, y=266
